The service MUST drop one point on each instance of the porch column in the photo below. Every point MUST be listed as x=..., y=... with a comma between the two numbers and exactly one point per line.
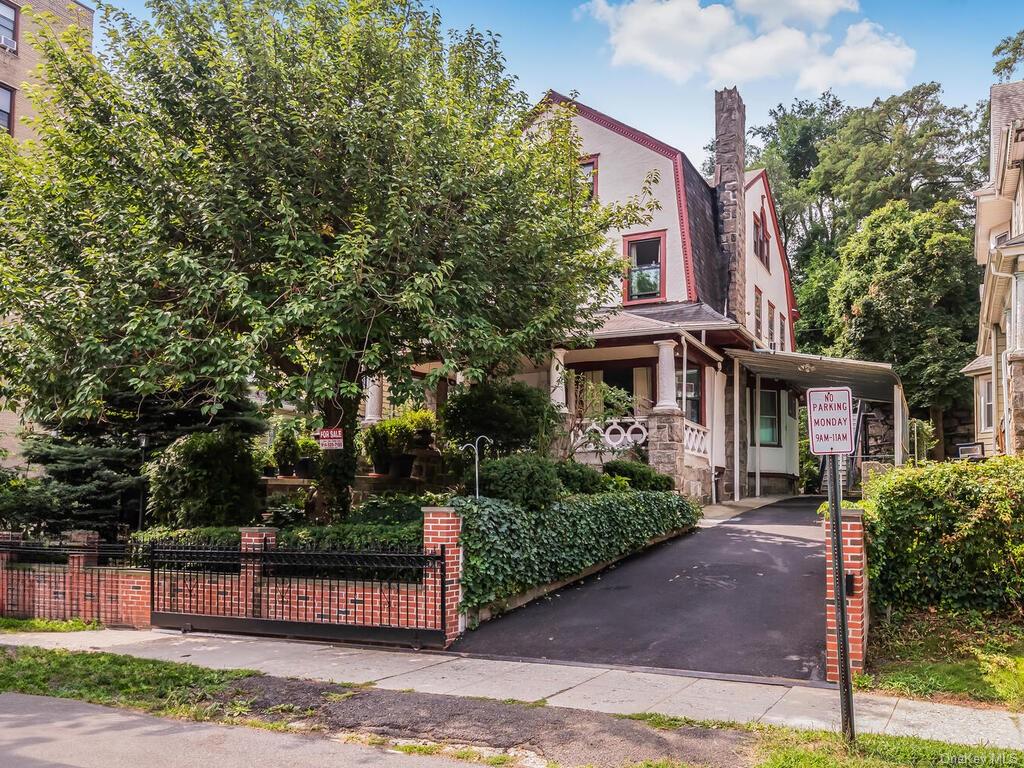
x=374, y=400
x=556, y=379
x=666, y=377
x=757, y=434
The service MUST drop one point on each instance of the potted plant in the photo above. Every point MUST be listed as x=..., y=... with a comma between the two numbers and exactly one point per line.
x=286, y=451
x=423, y=423
x=309, y=457
x=263, y=458
x=378, y=447
x=400, y=436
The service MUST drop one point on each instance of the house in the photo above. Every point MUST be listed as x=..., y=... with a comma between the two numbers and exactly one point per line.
x=702, y=334
x=18, y=65
x=998, y=371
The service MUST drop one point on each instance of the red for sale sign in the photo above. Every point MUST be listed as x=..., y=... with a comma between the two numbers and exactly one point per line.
x=332, y=439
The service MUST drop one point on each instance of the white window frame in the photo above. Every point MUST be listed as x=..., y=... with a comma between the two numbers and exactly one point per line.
x=986, y=404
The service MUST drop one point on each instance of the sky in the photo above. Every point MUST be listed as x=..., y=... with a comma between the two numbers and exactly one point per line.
x=654, y=64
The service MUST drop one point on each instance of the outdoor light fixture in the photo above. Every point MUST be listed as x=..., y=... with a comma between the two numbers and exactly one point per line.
x=805, y=368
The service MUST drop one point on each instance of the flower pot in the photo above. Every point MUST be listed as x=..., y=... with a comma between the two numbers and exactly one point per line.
x=270, y=471
x=381, y=465
x=401, y=466
x=286, y=470
x=422, y=438
x=305, y=468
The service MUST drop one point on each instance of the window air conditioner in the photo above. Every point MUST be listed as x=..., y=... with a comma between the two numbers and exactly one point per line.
x=8, y=43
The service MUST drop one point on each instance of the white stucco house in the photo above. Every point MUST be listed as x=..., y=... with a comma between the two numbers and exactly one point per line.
x=702, y=334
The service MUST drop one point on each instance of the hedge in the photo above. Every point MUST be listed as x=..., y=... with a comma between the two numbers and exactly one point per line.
x=948, y=534
x=641, y=477
x=358, y=536
x=212, y=536
x=508, y=549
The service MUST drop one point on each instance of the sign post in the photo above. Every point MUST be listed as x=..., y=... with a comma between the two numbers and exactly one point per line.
x=830, y=428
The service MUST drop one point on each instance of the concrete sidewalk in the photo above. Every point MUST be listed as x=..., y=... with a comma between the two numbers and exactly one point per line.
x=595, y=688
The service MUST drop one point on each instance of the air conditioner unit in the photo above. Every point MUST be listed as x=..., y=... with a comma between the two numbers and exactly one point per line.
x=776, y=346
x=8, y=43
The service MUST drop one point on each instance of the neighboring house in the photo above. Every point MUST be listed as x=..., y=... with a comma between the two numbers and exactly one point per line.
x=702, y=336
x=998, y=371
x=19, y=62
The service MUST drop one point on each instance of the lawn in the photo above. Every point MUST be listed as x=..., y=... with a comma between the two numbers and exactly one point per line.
x=9, y=626
x=183, y=691
x=967, y=657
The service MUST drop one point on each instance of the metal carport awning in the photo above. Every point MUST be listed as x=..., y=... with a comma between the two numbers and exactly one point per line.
x=877, y=382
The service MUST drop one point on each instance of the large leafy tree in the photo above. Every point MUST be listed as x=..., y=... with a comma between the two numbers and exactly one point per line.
x=289, y=195
x=1009, y=55
x=907, y=294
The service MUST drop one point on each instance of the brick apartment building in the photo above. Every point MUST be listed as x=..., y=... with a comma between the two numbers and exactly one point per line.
x=19, y=62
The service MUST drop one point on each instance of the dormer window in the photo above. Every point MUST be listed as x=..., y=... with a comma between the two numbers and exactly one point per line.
x=8, y=26
x=645, y=256
x=589, y=168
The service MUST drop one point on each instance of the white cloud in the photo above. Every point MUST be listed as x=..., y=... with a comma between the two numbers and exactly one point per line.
x=681, y=39
x=782, y=51
x=869, y=56
x=670, y=37
x=773, y=13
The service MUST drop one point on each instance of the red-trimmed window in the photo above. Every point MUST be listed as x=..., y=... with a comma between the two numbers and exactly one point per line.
x=6, y=109
x=782, y=333
x=589, y=167
x=771, y=325
x=645, y=258
x=762, y=240
x=758, y=318
x=9, y=26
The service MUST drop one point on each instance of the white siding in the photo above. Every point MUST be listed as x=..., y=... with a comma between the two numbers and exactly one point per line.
x=771, y=280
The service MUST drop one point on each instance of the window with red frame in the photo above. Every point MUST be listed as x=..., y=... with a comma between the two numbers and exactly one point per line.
x=762, y=240
x=758, y=320
x=9, y=26
x=646, y=256
x=6, y=109
x=589, y=168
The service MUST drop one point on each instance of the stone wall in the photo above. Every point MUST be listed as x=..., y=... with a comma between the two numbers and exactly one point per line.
x=665, y=449
x=957, y=428
x=1015, y=429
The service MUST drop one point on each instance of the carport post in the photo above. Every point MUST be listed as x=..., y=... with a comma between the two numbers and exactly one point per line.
x=757, y=435
x=835, y=499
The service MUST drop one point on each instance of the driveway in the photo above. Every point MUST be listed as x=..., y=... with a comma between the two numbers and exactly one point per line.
x=746, y=596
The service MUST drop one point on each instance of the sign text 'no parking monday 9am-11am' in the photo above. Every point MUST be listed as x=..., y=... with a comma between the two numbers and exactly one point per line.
x=830, y=420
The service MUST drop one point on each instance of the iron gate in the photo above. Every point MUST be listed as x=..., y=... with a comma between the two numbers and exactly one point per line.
x=391, y=597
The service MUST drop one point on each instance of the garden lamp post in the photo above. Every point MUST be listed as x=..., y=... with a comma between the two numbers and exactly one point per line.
x=475, y=448
x=143, y=442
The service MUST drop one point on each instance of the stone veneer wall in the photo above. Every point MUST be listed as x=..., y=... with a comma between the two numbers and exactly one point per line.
x=730, y=162
x=1015, y=429
x=730, y=437
x=665, y=449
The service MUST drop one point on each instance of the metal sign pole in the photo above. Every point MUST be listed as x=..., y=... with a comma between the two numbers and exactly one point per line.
x=839, y=592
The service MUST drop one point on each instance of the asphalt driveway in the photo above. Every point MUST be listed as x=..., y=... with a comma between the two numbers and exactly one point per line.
x=744, y=597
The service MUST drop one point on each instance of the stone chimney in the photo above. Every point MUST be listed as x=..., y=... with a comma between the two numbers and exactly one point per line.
x=730, y=162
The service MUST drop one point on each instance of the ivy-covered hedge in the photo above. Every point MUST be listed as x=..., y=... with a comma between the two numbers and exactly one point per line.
x=508, y=549
x=340, y=536
x=948, y=534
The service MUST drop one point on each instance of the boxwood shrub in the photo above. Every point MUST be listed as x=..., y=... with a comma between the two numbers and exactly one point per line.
x=948, y=534
x=527, y=479
x=358, y=536
x=508, y=548
x=581, y=478
x=212, y=536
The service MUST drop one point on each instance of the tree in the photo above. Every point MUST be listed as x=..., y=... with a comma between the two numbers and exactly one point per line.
x=290, y=196
x=907, y=295
x=1009, y=55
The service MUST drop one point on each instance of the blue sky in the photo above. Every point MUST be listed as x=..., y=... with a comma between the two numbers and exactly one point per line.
x=655, y=63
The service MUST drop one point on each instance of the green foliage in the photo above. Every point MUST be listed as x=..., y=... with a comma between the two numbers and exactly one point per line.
x=359, y=536
x=396, y=508
x=204, y=479
x=810, y=467
x=211, y=536
x=263, y=455
x=25, y=504
x=527, y=479
x=10, y=626
x=641, y=477
x=948, y=534
x=907, y=295
x=286, y=448
x=581, y=478
x=420, y=419
x=920, y=438
x=289, y=197
x=512, y=414
x=288, y=509
x=508, y=549
x=1009, y=55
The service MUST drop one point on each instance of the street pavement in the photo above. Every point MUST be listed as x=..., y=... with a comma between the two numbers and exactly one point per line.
x=40, y=732
x=578, y=686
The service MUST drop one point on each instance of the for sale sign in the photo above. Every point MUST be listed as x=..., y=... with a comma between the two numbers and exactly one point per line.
x=830, y=420
x=331, y=439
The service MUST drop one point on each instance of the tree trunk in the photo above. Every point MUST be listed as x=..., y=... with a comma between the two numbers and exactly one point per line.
x=939, y=451
x=338, y=471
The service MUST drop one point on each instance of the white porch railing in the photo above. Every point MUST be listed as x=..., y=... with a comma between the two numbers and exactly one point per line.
x=695, y=438
x=612, y=434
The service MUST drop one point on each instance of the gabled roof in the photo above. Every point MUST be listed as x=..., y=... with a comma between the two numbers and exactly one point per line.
x=705, y=265
x=980, y=364
x=1006, y=103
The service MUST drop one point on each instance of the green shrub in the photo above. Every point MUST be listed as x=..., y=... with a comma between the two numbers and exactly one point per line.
x=527, y=479
x=25, y=504
x=286, y=448
x=508, y=549
x=204, y=479
x=210, y=536
x=582, y=478
x=288, y=509
x=359, y=536
x=263, y=455
x=421, y=419
x=512, y=414
x=641, y=477
x=948, y=534
x=396, y=508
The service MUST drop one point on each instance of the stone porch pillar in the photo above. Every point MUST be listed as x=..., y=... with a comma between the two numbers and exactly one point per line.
x=666, y=377
x=1015, y=401
x=374, y=400
x=556, y=379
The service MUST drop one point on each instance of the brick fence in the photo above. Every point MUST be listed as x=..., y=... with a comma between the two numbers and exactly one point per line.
x=855, y=566
x=122, y=596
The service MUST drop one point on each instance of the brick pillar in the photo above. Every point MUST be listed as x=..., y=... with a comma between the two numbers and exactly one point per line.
x=442, y=526
x=7, y=538
x=855, y=564
x=249, y=600
x=86, y=549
